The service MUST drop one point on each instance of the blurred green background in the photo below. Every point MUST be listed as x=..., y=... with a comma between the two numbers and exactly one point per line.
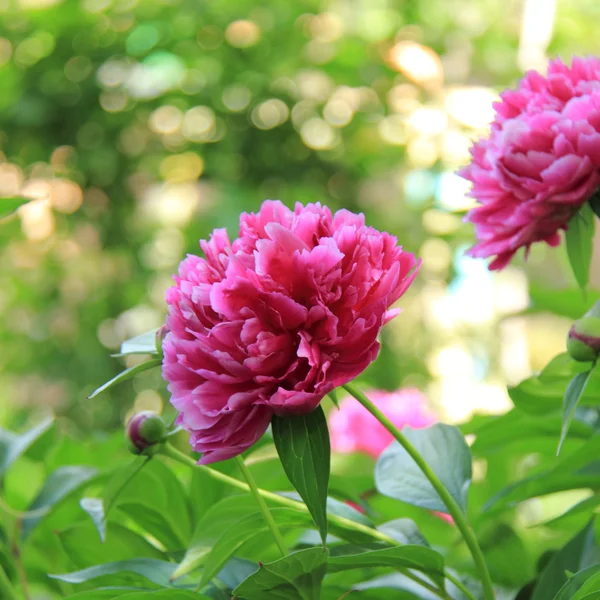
x=140, y=125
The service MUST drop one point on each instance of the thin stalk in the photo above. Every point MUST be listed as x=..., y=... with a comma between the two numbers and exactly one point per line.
x=262, y=505
x=454, y=509
x=173, y=453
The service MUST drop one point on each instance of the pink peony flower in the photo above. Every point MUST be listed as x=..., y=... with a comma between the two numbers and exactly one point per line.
x=270, y=323
x=540, y=163
x=354, y=429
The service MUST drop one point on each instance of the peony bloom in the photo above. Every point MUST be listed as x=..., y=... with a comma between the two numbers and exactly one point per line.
x=540, y=163
x=271, y=322
x=354, y=429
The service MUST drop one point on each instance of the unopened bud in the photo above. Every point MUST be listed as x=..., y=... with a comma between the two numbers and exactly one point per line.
x=583, y=341
x=145, y=431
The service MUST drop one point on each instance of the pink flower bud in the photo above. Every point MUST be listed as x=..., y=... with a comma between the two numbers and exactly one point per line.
x=145, y=431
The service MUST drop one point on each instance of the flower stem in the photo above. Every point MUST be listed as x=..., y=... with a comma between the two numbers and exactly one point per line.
x=174, y=454
x=454, y=509
x=262, y=505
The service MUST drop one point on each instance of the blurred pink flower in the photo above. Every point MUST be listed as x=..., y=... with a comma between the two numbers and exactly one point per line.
x=271, y=322
x=540, y=163
x=354, y=429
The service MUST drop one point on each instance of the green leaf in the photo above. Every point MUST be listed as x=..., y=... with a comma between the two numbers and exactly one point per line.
x=571, y=400
x=580, y=552
x=302, y=443
x=142, y=344
x=575, y=583
x=579, y=238
x=444, y=449
x=211, y=527
x=61, y=483
x=508, y=559
x=164, y=595
x=127, y=374
x=404, y=531
x=242, y=531
x=585, y=506
x=334, y=396
x=95, y=508
x=156, y=571
x=13, y=445
x=419, y=558
x=295, y=577
x=9, y=206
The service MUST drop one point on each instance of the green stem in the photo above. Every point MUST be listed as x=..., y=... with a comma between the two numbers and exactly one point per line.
x=454, y=509
x=174, y=454
x=263, y=507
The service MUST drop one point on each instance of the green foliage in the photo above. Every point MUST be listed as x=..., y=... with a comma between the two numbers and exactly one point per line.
x=444, y=449
x=303, y=447
x=579, y=238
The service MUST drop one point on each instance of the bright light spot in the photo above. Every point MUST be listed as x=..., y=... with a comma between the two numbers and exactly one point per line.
x=471, y=106
x=314, y=85
x=436, y=255
x=326, y=27
x=66, y=196
x=427, y=121
x=418, y=63
x=171, y=204
x=180, y=168
x=5, y=51
x=338, y=112
x=318, y=134
x=113, y=73
x=403, y=98
x=165, y=120
x=37, y=220
x=242, y=33
x=199, y=124
x=113, y=101
x=451, y=193
x=11, y=179
x=270, y=114
x=392, y=130
x=236, y=97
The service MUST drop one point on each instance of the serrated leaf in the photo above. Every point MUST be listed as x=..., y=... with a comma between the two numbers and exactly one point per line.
x=125, y=375
x=242, y=531
x=95, y=508
x=9, y=206
x=444, y=449
x=303, y=446
x=13, y=445
x=579, y=238
x=141, y=344
x=294, y=577
x=418, y=558
x=60, y=484
x=579, y=553
x=572, y=395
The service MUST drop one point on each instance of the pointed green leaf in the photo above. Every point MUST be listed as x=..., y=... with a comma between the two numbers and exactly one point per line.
x=295, y=577
x=12, y=445
x=9, y=206
x=579, y=238
x=60, y=484
x=302, y=443
x=571, y=400
x=95, y=508
x=242, y=531
x=141, y=344
x=127, y=374
x=156, y=571
x=575, y=583
x=579, y=553
x=445, y=450
x=419, y=558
